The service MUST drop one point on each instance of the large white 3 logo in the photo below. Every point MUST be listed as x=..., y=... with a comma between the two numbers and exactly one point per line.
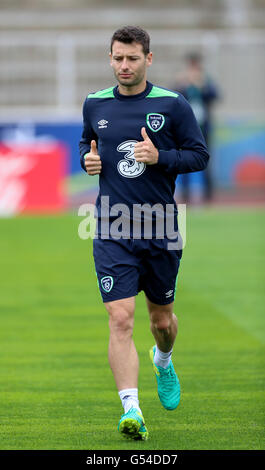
x=129, y=167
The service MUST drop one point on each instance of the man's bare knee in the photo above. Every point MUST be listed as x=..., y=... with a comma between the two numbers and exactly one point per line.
x=162, y=321
x=161, y=324
x=121, y=317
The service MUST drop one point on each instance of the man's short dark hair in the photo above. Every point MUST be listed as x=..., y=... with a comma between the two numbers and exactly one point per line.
x=130, y=34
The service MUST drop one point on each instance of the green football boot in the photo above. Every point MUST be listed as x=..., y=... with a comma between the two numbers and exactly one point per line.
x=132, y=425
x=168, y=387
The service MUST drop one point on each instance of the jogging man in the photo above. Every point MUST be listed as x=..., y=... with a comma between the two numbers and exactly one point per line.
x=138, y=137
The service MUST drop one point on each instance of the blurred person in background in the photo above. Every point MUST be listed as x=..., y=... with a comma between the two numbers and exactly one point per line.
x=201, y=92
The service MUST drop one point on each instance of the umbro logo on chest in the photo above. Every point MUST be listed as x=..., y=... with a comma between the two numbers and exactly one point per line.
x=102, y=124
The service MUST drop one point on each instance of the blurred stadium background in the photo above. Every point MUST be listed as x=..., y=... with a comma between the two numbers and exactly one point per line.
x=53, y=53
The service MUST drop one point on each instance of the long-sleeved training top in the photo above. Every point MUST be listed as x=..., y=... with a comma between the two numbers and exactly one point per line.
x=115, y=121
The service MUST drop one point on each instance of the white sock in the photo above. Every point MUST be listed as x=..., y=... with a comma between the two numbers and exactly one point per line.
x=129, y=399
x=162, y=359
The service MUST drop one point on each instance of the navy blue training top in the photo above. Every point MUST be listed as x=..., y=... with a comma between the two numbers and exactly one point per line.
x=115, y=121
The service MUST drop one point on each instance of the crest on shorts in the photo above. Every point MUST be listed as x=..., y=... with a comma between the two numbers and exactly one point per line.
x=155, y=121
x=107, y=283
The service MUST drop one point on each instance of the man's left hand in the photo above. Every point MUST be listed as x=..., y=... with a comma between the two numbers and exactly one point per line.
x=145, y=151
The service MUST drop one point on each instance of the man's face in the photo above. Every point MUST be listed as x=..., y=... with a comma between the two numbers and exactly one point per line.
x=129, y=63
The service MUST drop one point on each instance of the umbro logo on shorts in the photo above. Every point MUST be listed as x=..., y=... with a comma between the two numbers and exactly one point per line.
x=169, y=293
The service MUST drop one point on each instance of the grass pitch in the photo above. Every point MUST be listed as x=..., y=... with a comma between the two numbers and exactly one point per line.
x=56, y=389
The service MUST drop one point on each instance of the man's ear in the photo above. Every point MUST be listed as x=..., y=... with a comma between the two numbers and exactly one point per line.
x=149, y=59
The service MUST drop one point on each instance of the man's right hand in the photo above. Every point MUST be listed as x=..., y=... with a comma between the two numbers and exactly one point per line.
x=92, y=160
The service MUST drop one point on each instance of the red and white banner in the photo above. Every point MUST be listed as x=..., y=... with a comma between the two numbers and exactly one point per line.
x=32, y=178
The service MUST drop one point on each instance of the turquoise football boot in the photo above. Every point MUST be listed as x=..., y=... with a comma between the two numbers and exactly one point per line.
x=132, y=425
x=168, y=386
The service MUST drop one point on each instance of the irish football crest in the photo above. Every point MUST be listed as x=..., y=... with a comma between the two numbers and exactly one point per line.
x=107, y=283
x=155, y=121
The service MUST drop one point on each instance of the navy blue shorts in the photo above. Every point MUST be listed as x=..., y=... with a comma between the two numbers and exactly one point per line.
x=125, y=267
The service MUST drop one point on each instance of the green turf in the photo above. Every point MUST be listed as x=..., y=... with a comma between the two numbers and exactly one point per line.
x=56, y=389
